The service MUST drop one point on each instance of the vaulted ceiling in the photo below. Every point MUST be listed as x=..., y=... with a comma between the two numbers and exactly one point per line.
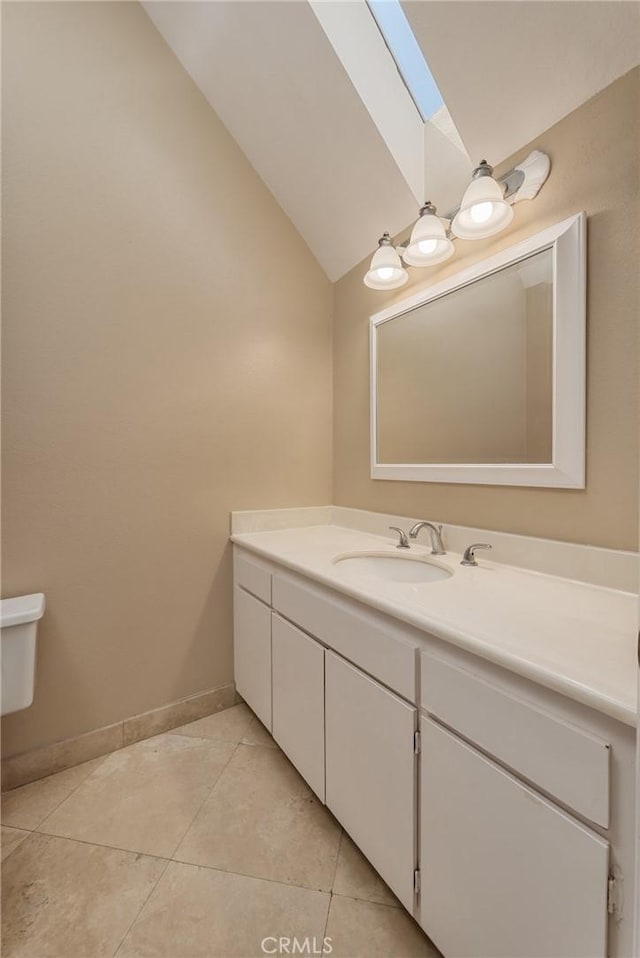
x=311, y=94
x=509, y=70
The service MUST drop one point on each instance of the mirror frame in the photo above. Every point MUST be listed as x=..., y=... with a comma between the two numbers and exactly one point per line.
x=567, y=240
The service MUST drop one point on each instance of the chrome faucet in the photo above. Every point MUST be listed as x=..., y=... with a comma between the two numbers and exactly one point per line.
x=435, y=533
x=404, y=542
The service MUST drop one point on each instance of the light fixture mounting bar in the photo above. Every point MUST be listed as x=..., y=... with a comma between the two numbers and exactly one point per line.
x=513, y=181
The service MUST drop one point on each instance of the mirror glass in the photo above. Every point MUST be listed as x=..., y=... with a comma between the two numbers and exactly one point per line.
x=468, y=377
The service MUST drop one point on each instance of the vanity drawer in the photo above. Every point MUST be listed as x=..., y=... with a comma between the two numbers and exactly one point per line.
x=252, y=574
x=377, y=646
x=561, y=759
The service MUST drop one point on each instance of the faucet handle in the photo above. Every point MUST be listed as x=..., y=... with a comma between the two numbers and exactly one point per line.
x=469, y=557
x=404, y=542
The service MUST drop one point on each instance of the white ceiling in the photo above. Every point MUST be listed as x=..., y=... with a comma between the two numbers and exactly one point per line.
x=271, y=74
x=507, y=72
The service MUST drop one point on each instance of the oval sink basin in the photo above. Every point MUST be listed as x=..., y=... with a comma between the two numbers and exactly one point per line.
x=390, y=567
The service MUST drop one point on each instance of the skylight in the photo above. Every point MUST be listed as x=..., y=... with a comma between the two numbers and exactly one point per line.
x=406, y=52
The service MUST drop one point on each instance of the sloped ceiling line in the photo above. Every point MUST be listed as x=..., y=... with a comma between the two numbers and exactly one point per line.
x=344, y=157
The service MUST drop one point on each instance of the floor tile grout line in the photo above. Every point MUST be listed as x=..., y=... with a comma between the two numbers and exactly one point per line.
x=273, y=881
x=223, y=871
x=181, y=861
x=114, y=848
x=176, y=730
x=243, y=875
x=19, y=828
x=212, y=790
x=21, y=842
x=333, y=881
x=139, y=912
x=274, y=747
x=73, y=790
x=326, y=924
x=215, y=868
x=372, y=901
x=38, y=827
x=343, y=834
x=204, y=739
x=204, y=801
x=200, y=738
x=335, y=870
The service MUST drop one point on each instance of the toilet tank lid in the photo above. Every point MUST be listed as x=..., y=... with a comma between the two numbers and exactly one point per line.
x=21, y=609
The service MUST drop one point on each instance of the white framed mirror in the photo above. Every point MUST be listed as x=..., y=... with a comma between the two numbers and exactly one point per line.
x=481, y=378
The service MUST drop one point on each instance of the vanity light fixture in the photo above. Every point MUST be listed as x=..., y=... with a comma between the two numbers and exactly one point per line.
x=428, y=244
x=386, y=270
x=486, y=209
x=483, y=210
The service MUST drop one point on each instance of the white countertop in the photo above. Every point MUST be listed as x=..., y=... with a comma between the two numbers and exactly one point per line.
x=577, y=639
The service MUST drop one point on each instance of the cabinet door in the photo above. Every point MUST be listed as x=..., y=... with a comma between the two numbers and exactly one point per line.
x=298, y=700
x=505, y=874
x=252, y=652
x=371, y=771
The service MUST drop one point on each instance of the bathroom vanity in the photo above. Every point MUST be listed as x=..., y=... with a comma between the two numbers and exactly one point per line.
x=472, y=730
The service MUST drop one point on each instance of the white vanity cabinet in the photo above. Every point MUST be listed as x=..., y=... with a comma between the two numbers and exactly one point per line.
x=505, y=873
x=371, y=771
x=252, y=652
x=298, y=700
x=501, y=813
x=351, y=738
x=524, y=799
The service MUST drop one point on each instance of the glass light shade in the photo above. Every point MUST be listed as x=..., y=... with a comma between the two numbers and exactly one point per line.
x=428, y=244
x=483, y=210
x=386, y=270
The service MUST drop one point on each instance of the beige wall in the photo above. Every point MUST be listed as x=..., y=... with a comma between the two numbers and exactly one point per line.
x=167, y=350
x=595, y=167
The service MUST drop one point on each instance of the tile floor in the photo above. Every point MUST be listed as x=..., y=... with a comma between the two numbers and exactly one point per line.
x=197, y=843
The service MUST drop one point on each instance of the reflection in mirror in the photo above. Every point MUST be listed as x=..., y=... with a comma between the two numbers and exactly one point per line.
x=468, y=377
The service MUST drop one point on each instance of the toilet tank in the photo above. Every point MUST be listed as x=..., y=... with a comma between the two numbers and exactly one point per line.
x=19, y=619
